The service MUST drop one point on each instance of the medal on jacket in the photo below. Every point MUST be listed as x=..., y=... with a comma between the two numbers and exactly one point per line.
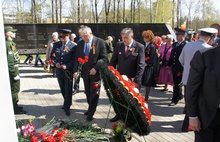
x=93, y=48
x=13, y=47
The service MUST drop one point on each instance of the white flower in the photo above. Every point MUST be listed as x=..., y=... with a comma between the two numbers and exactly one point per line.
x=18, y=130
x=125, y=77
x=146, y=105
x=136, y=90
x=22, y=127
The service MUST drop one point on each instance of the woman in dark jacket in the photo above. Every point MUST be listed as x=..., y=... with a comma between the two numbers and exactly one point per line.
x=148, y=78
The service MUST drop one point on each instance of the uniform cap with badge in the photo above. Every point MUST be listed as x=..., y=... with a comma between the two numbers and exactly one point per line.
x=208, y=31
x=179, y=31
x=63, y=32
x=9, y=29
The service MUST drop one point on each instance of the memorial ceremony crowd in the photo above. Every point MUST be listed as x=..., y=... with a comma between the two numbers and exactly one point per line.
x=189, y=63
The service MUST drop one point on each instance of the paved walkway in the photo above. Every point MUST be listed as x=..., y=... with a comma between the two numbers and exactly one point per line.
x=40, y=96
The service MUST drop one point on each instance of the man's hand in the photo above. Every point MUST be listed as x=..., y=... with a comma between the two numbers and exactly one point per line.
x=92, y=71
x=195, y=124
x=58, y=65
x=63, y=67
x=75, y=75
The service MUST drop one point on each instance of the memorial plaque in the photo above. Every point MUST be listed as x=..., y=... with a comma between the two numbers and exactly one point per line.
x=32, y=38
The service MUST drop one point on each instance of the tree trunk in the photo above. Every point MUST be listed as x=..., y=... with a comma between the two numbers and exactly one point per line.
x=156, y=10
x=151, y=11
x=56, y=10
x=96, y=12
x=123, y=11
x=52, y=10
x=114, y=10
x=78, y=11
x=131, y=11
x=118, y=11
x=134, y=11
x=34, y=18
x=107, y=8
x=139, y=11
x=60, y=11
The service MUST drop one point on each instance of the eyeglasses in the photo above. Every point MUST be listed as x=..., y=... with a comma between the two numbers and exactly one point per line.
x=62, y=36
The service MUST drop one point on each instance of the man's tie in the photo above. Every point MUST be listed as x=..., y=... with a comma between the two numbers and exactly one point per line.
x=178, y=43
x=63, y=46
x=127, y=50
x=87, y=49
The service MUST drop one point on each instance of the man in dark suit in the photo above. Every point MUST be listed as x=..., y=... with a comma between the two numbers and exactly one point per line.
x=205, y=35
x=129, y=58
x=203, y=95
x=95, y=49
x=76, y=83
x=177, y=68
x=62, y=54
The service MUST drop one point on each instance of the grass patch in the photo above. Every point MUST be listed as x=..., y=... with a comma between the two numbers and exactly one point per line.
x=43, y=57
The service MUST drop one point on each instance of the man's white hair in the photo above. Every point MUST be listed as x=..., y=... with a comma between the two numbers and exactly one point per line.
x=169, y=36
x=85, y=29
x=55, y=34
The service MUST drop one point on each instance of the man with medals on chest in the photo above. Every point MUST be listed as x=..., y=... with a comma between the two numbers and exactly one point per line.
x=176, y=66
x=13, y=64
x=62, y=55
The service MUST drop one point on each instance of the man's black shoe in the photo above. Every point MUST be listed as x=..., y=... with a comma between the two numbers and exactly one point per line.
x=172, y=104
x=67, y=112
x=75, y=91
x=86, y=113
x=114, y=119
x=181, y=98
x=19, y=111
x=89, y=118
x=20, y=107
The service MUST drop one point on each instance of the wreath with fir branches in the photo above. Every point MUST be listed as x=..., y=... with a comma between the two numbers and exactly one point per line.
x=127, y=102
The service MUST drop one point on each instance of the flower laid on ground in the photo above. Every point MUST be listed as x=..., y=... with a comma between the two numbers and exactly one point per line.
x=120, y=132
x=25, y=132
x=81, y=62
x=61, y=131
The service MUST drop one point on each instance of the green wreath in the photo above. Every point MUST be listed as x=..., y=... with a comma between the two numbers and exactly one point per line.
x=127, y=103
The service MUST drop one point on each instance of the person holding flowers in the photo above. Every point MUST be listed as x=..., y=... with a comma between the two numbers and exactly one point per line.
x=62, y=56
x=95, y=49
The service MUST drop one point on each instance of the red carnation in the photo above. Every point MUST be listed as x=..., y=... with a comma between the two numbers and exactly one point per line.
x=147, y=58
x=51, y=61
x=114, y=126
x=86, y=58
x=179, y=74
x=53, y=55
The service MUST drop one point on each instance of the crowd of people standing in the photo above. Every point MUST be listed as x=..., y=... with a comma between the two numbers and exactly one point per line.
x=158, y=60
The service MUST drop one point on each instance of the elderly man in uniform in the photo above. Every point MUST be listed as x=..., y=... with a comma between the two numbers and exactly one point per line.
x=63, y=54
x=177, y=68
x=203, y=94
x=95, y=49
x=205, y=36
x=13, y=63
